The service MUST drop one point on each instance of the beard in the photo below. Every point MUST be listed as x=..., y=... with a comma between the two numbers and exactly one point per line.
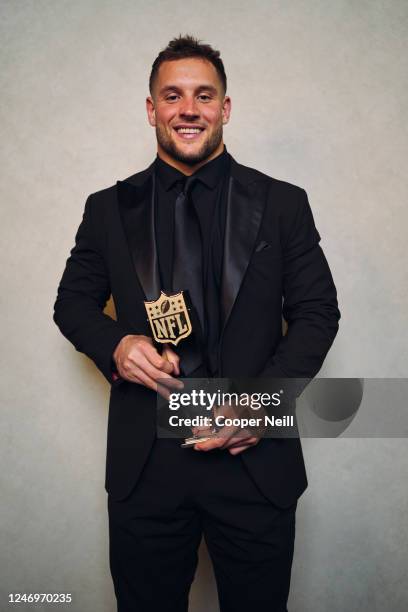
x=191, y=159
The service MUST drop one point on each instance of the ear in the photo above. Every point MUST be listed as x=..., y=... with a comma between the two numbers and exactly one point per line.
x=151, y=113
x=226, y=109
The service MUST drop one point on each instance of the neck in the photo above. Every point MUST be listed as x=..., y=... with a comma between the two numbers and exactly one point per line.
x=188, y=169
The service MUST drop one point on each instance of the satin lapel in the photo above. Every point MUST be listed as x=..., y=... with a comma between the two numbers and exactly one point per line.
x=245, y=206
x=136, y=206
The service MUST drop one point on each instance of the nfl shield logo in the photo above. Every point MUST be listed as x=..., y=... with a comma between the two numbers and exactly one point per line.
x=169, y=318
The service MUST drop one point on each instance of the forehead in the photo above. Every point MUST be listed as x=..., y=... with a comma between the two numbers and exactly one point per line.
x=187, y=73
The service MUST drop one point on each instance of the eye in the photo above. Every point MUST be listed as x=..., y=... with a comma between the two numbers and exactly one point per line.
x=204, y=97
x=171, y=98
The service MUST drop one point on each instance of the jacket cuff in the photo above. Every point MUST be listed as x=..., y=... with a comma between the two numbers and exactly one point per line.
x=104, y=355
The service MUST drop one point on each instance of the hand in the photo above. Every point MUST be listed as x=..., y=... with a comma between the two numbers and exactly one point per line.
x=138, y=361
x=234, y=444
x=228, y=439
x=203, y=431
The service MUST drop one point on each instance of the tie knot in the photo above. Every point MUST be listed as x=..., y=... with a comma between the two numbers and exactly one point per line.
x=189, y=183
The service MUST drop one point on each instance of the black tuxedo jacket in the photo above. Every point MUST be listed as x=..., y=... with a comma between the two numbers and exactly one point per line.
x=272, y=266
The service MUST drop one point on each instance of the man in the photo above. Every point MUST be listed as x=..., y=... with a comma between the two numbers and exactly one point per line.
x=238, y=241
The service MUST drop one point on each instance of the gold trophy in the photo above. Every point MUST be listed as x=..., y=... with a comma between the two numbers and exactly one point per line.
x=170, y=323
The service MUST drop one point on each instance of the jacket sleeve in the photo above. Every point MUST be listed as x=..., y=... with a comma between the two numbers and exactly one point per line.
x=310, y=306
x=82, y=295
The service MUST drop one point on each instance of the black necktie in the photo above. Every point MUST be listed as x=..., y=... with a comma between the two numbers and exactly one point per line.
x=188, y=252
x=188, y=274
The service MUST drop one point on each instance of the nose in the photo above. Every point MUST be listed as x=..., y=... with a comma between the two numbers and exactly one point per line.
x=189, y=108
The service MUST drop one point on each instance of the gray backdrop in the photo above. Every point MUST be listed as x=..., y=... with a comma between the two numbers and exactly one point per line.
x=319, y=99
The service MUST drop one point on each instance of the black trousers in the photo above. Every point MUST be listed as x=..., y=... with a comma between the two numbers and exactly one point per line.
x=181, y=495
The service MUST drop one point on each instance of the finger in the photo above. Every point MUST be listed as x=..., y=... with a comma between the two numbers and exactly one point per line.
x=157, y=375
x=201, y=430
x=226, y=441
x=216, y=442
x=127, y=373
x=212, y=444
x=128, y=376
x=150, y=383
x=234, y=432
x=146, y=380
x=237, y=442
x=156, y=360
x=239, y=449
x=131, y=376
x=237, y=436
x=174, y=359
x=164, y=391
x=165, y=383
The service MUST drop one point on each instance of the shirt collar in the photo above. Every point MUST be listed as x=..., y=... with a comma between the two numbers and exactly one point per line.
x=209, y=174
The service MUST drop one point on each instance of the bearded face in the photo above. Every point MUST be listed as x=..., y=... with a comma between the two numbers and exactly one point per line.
x=188, y=110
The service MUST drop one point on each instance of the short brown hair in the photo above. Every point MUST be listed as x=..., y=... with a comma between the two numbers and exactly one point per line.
x=187, y=46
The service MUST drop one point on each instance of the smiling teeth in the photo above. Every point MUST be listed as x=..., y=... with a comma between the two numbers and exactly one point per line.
x=189, y=130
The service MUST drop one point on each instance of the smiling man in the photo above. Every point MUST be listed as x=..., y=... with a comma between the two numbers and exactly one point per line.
x=240, y=243
x=188, y=107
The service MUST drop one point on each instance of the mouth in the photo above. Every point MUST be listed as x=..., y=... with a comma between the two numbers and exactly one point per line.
x=189, y=132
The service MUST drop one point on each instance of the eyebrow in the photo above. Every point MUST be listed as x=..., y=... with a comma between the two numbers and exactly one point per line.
x=177, y=89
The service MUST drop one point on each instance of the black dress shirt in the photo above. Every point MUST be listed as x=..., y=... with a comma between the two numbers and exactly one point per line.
x=209, y=200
